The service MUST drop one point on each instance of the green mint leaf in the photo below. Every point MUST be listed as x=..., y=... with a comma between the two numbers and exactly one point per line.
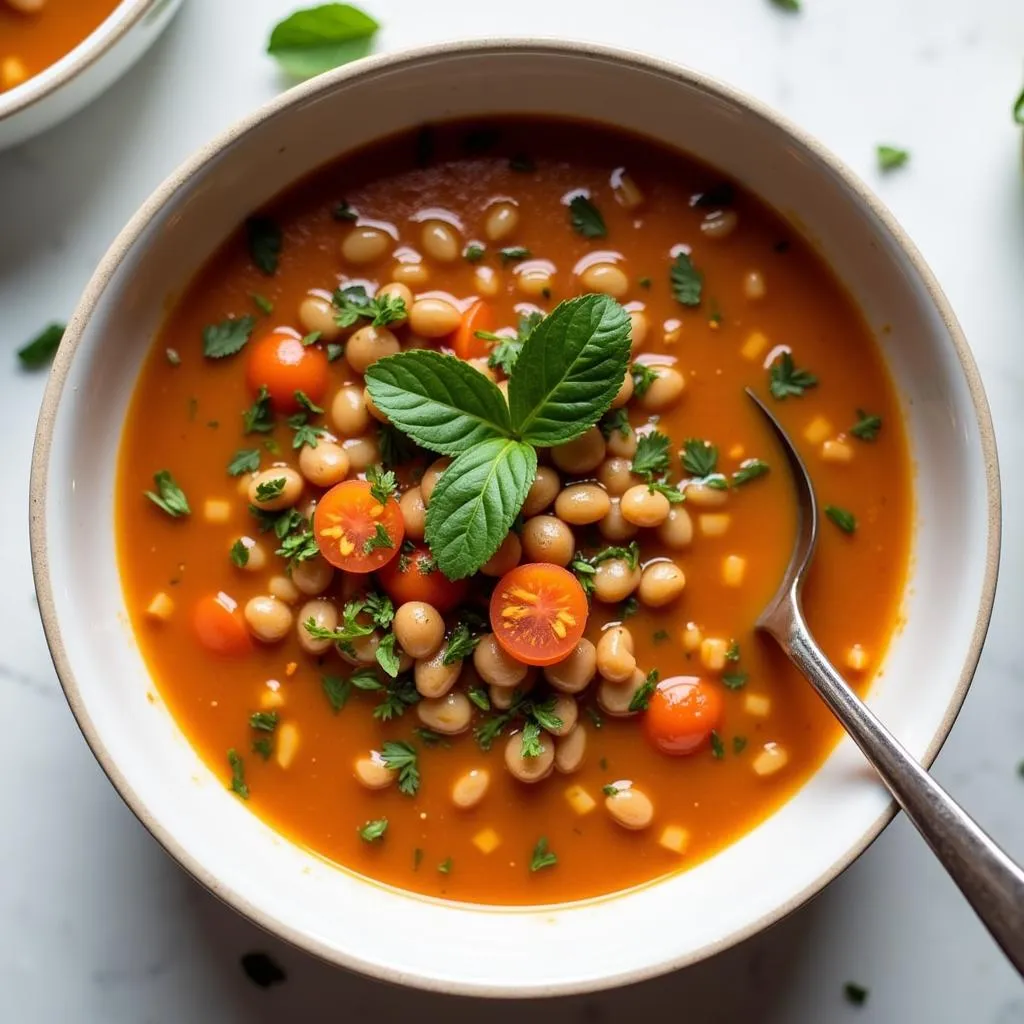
x=686, y=280
x=542, y=856
x=320, y=38
x=441, y=402
x=39, y=352
x=586, y=218
x=475, y=502
x=570, y=368
x=890, y=157
x=168, y=495
x=373, y=830
x=227, y=337
x=264, y=239
x=750, y=469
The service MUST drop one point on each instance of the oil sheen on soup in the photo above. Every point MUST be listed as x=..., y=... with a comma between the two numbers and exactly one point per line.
x=533, y=678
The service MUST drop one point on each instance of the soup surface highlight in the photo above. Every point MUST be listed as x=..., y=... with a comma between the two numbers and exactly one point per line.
x=297, y=624
x=36, y=33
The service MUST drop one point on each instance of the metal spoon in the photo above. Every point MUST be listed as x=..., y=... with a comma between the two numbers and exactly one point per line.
x=992, y=883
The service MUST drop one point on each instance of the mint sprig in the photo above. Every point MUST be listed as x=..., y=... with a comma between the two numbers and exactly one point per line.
x=570, y=368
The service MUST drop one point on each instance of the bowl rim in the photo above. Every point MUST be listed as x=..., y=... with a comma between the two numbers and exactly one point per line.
x=180, y=179
x=80, y=57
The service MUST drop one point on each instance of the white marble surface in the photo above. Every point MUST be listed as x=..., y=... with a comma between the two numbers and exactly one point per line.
x=97, y=925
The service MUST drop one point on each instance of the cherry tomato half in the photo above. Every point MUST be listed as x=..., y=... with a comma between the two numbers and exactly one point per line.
x=538, y=613
x=681, y=714
x=479, y=317
x=355, y=531
x=283, y=365
x=219, y=625
x=413, y=576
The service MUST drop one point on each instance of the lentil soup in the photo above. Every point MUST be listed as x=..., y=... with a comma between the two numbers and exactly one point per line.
x=583, y=705
x=36, y=33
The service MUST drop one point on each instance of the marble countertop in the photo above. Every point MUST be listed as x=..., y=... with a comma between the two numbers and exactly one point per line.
x=98, y=925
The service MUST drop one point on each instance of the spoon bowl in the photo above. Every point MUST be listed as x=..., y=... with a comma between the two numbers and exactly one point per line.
x=992, y=883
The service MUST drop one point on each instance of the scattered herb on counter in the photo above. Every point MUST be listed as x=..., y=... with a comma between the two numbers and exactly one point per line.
x=855, y=994
x=39, y=352
x=261, y=970
x=317, y=39
x=889, y=157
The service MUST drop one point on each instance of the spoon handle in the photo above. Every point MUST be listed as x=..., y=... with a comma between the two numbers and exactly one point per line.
x=992, y=883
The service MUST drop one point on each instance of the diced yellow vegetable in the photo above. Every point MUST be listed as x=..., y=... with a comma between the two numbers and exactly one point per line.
x=734, y=568
x=837, y=451
x=757, y=704
x=771, y=759
x=216, y=510
x=818, y=430
x=857, y=658
x=712, y=653
x=580, y=800
x=714, y=524
x=674, y=838
x=755, y=345
x=161, y=607
x=287, y=745
x=487, y=840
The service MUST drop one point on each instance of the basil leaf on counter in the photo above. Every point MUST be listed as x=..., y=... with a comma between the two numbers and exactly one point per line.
x=317, y=39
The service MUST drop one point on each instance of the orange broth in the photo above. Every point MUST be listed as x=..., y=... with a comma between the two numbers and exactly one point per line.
x=30, y=43
x=187, y=418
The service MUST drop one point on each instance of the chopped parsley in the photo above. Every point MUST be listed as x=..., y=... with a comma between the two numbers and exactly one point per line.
x=474, y=252
x=172, y=356
x=445, y=867
x=595, y=717
x=586, y=218
x=855, y=994
x=334, y=352
x=461, y=644
x=739, y=744
x=717, y=746
x=786, y=379
x=259, y=417
x=699, y=457
x=867, y=426
x=733, y=651
x=373, y=831
x=264, y=239
x=380, y=539
x=844, y=519
x=642, y=698
x=168, y=496
x=478, y=696
x=383, y=483
x=353, y=304
x=750, y=469
x=227, y=337
x=399, y=695
x=630, y=607
x=542, y=856
x=585, y=566
x=264, y=747
x=264, y=721
x=651, y=454
x=239, y=554
x=262, y=303
x=735, y=680
x=238, y=785
x=687, y=282
x=643, y=378
x=343, y=211
x=522, y=164
x=514, y=253
x=245, y=460
x=268, y=490
x=506, y=350
x=402, y=758
x=659, y=636
x=615, y=420
x=530, y=745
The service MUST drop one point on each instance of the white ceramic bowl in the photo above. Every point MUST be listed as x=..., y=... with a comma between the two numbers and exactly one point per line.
x=332, y=912
x=81, y=75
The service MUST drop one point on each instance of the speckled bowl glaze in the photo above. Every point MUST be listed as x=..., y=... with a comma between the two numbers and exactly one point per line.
x=83, y=73
x=330, y=911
